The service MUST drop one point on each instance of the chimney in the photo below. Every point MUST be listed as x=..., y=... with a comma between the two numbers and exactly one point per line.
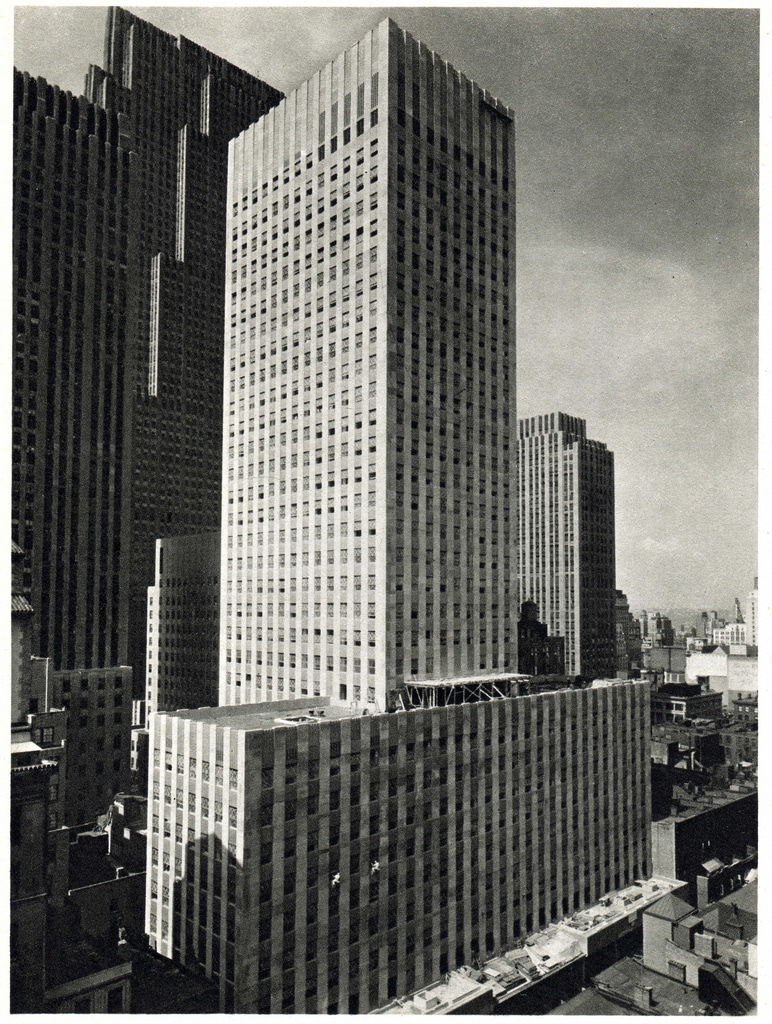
x=642, y=996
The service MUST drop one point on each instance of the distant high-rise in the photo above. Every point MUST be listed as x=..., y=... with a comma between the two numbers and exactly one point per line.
x=656, y=630
x=628, y=637
x=182, y=104
x=752, y=614
x=368, y=526
x=566, y=551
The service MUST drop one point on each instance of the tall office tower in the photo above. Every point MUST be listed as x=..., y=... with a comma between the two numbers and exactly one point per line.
x=377, y=852
x=623, y=620
x=752, y=614
x=183, y=624
x=566, y=549
x=183, y=104
x=368, y=531
x=658, y=629
x=72, y=216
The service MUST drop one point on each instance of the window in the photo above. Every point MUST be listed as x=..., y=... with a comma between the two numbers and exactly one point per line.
x=677, y=971
x=115, y=1000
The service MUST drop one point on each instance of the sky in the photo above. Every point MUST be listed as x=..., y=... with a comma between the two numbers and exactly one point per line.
x=637, y=236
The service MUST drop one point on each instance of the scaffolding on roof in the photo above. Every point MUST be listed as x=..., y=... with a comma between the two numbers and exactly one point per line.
x=442, y=693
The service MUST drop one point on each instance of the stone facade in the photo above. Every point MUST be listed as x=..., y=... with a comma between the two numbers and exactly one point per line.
x=370, y=854
x=368, y=522
x=566, y=560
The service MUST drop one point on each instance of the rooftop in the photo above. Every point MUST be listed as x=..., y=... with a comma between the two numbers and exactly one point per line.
x=539, y=956
x=459, y=988
x=671, y=908
x=270, y=714
x=689, y=805
x=670, y=998
x=620, y=904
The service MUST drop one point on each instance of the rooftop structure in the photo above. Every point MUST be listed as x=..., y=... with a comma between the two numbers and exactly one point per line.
x=433, y=693
x=713, y=950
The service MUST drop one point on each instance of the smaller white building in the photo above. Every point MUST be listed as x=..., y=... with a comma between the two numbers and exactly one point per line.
x=730, y=670
x=733, y=633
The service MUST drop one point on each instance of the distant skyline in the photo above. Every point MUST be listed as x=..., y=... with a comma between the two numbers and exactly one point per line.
x=637, y=237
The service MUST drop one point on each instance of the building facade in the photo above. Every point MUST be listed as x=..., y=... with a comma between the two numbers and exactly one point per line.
x=628, y=637
x=72, y=215
x=674, y=702
x=98, y=734
x=368, y=530
x=183, y=624
x=732, y=671
x=732, y=633
x=566, y=549
x=537, y=652
x=183, y=104
x=709, y=826
x=377, y=852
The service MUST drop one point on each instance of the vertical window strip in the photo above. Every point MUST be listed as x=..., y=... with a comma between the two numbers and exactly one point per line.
x=155, y=312
x=182, y=165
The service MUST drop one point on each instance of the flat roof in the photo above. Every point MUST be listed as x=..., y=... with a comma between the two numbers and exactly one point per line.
x=269, y=714
x=618, y=904
x=441, y=997
x=669, y=997
x=538, y=956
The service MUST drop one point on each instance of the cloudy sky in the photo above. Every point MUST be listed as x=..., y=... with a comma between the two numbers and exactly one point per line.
x=637, y=257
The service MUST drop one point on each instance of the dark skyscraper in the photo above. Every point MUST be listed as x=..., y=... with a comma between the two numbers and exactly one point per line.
x=71, y=371
x=183, y=104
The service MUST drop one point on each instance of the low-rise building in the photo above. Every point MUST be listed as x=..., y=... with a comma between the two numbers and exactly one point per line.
x=713, y=950
x=740, y=743
x=98, y=706
x=697, y=744
x=555, y=958
x=674, y=702
x=705, y=826
x=732, y=633
x=731, y=670
x=376, y=853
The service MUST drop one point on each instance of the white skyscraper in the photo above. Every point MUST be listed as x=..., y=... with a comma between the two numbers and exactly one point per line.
x=369, y=527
